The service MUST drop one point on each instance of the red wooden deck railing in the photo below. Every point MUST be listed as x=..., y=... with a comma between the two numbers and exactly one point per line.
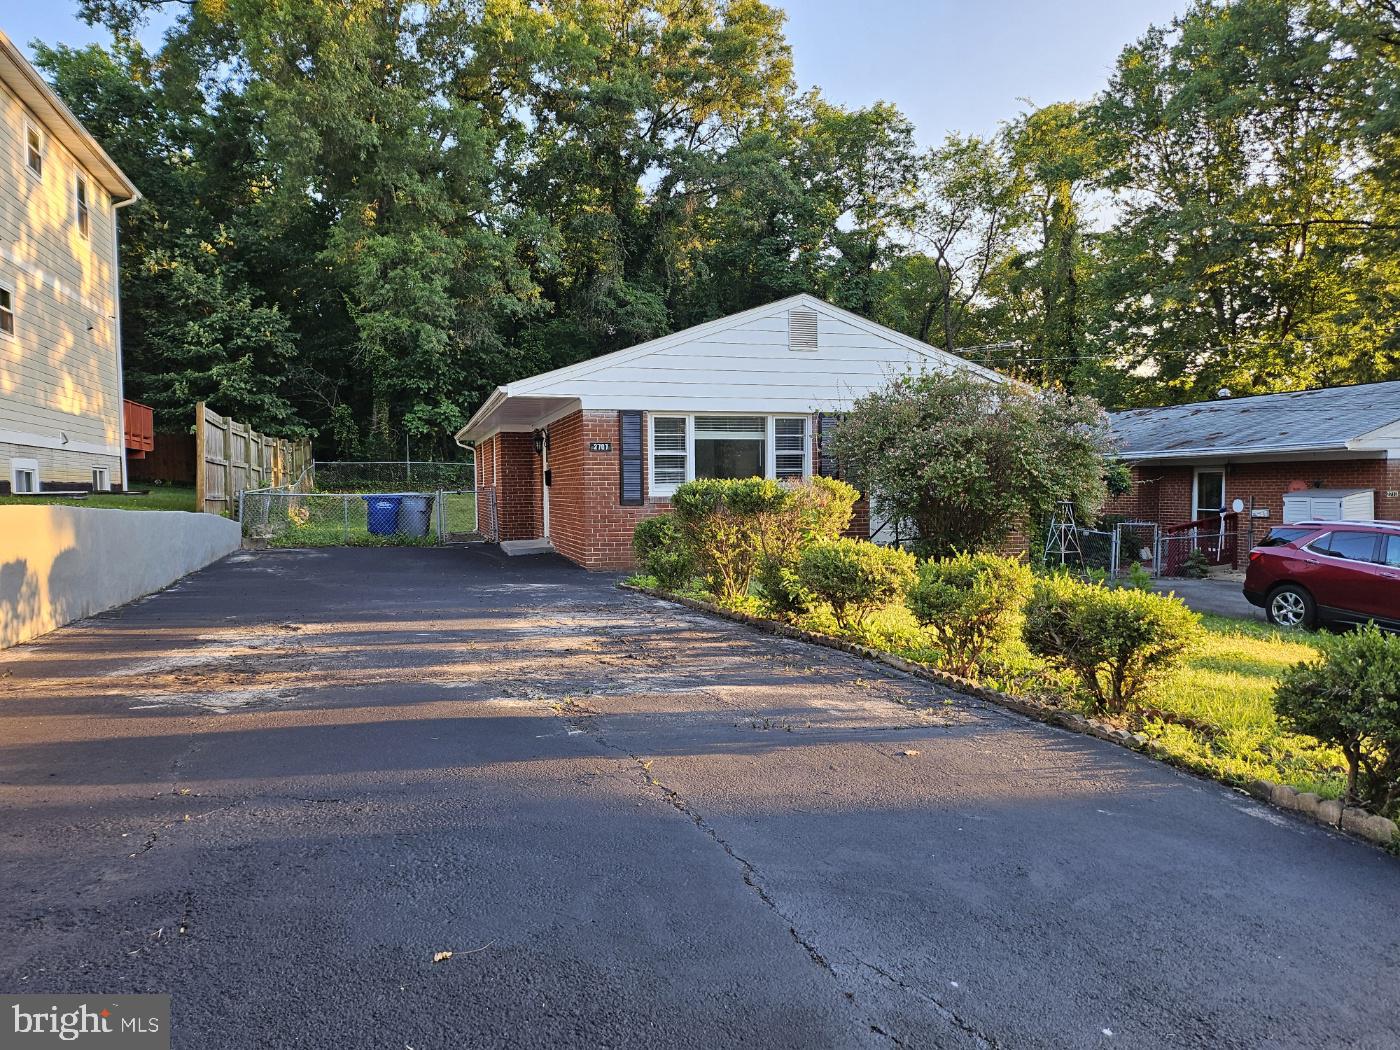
x=1215, y=537
x=139, y=424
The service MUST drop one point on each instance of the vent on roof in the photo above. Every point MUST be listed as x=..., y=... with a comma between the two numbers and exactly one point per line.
x=802, y=330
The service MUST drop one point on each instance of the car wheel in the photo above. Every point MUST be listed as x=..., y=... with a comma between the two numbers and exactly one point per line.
x=1291, y=606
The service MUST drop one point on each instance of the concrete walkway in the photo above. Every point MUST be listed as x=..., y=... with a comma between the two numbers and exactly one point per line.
x=277, y=789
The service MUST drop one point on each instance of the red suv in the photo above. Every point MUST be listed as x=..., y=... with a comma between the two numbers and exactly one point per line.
x=1327, y=572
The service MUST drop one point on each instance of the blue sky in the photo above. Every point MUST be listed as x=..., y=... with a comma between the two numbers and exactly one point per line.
x=950, y=65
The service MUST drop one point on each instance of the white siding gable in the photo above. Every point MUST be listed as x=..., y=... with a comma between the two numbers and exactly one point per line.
x=745, y=363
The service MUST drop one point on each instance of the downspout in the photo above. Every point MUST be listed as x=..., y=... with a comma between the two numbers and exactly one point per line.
x=117, y=320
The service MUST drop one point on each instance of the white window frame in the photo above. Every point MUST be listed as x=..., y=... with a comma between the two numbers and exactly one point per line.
x=101, y=479
x=29, y=126
x=13, y=311
x=24, y=466
x=770, y=455
x=653, y=487
x=772, y=464
x=82, y=205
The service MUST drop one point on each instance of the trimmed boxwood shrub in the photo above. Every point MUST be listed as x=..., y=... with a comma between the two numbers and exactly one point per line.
x=1116, y=642
x=970, y=603
x=662, y=552
x=1350, y=697
x=782, y=592
x=855, y=577
x=732, y=526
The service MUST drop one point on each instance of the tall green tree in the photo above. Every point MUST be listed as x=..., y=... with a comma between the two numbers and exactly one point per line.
x=1243, y=254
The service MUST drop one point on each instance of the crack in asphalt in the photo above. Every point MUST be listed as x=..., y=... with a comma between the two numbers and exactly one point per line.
x=584, y=721
x=980, y=1038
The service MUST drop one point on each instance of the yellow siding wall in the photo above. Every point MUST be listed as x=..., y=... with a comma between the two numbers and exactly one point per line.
x=59, y=375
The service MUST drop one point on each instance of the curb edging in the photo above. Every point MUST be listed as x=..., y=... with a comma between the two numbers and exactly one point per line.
x=1332, y=813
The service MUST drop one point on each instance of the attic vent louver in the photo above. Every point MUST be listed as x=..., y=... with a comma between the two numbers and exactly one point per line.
x=802, y=330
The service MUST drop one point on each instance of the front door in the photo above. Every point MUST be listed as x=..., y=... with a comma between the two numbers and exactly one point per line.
x=1209, y=498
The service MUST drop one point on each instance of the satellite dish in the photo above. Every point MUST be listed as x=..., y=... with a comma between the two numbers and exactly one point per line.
x=1237, y=506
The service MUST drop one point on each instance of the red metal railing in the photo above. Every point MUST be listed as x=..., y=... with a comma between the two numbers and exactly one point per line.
x=1215, y=537
x=139, y=424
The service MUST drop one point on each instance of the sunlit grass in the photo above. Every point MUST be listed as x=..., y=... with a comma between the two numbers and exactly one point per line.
x=163, y=497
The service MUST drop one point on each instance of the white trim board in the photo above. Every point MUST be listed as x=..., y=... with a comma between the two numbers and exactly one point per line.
x=18, y=437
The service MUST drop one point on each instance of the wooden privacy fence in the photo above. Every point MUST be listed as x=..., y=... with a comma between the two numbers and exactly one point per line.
x=231, y=457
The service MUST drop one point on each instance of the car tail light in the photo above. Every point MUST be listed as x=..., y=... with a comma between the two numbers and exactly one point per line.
x=1255, y=555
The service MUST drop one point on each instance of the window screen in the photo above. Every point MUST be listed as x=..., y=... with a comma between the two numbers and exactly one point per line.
x=790, y=447
x=668, y=459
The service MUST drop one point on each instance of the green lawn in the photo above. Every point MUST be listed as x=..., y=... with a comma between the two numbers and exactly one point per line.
x=1228, y=688
x=163, y=497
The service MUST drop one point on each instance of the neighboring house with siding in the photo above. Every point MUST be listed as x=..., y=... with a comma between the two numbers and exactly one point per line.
x=574, y=458
x=1191, y=462
x=61, y=419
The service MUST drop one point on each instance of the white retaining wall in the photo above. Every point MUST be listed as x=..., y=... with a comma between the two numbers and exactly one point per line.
x=61, y=563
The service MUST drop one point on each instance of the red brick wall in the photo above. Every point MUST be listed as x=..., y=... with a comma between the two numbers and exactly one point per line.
x=518, y=487
x=1163, y=494
x=587, y=524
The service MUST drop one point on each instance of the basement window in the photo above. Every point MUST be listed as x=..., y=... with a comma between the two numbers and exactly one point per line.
x=24, y=475
x=101, y=479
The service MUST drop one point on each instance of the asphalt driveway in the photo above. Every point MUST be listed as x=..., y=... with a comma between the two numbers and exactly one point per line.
x=278, y=788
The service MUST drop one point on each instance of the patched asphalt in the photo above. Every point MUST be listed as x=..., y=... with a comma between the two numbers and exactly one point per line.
x=277, y=789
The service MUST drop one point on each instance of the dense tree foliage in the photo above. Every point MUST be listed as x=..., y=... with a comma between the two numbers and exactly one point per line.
x=965, y=462
x=360, y=215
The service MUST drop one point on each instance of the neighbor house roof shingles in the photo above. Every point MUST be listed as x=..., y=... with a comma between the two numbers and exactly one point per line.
x=1336, y=419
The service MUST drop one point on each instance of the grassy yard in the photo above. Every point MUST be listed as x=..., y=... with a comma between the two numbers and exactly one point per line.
x=163, y=497
x=1227, y=689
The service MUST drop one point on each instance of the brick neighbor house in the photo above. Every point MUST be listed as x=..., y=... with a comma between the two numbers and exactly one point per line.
x=1305, y=454
x=572, y=459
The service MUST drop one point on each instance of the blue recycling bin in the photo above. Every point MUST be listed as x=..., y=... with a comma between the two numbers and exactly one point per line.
x=383, y=514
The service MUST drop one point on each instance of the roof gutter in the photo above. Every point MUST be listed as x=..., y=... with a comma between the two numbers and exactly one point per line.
x=489, y=405
x=1226, y=453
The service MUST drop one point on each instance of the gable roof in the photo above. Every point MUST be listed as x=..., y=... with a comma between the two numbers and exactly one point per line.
x=33, y=91
x=737, y=363
x=1338, y=419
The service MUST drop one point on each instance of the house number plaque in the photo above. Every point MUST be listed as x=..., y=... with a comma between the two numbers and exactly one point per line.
x=600, y=446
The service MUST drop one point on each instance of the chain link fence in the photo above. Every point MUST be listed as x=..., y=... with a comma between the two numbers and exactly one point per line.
x=333, y=519
x=366, y=504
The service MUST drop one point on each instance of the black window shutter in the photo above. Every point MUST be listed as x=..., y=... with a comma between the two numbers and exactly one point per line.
x=629, y=458
x=827, y=463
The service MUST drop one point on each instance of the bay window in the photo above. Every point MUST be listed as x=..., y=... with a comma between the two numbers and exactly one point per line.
x=687, y=447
